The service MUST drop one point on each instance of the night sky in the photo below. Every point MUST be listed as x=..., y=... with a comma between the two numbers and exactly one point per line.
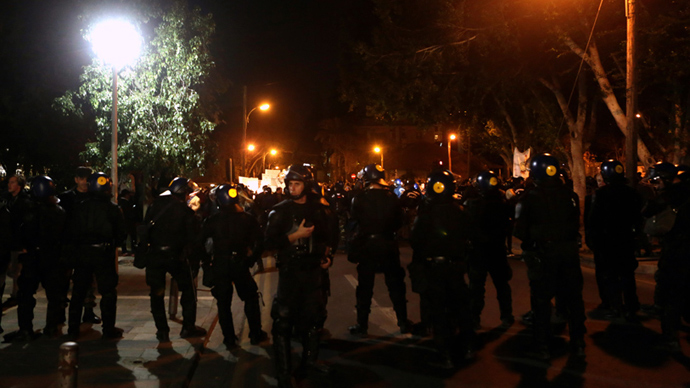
x=286, y=53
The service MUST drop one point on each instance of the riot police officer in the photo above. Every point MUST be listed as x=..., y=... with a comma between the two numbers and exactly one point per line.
x=175, y=248
x=490, y=215
x=673, y=275
x=300, y=230
x=235, y=236
x=378, y=215
x=68, y=199
x=41, y=233
x=614, y=216
x=440, y=240
x=547, y=222
x=95, y=229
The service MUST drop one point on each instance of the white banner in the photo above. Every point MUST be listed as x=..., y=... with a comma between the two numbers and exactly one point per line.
x=520, y=159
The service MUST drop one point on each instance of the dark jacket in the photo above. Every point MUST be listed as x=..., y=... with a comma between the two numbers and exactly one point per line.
x=286, y=217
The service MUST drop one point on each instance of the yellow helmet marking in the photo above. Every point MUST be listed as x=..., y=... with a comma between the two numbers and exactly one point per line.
x=493, y=181
x=551, y=170
x=619, y=169
x=232, y=193
x=439, y=187
x=101, y=180
x=378, y=167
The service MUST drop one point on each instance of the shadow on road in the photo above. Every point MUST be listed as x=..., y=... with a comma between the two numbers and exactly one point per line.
x=634, y=344
x=516, y=354
x=385, y=362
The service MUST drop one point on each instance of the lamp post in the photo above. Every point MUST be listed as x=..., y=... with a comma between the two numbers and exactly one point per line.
x=117, y=43
x=451, y=137
x=378, y=150
x=245, y=121
x=630, y=95
x=249, y=148
x=272, y=152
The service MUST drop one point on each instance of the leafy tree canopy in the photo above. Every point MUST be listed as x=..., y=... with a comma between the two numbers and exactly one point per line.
x=165, y=105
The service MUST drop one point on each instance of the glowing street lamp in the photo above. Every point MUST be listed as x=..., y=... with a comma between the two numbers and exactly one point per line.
x=117, y=43
x=251, y=148
x=378, y=150
x=451, y=137
x=273, y=152
x=245, y=120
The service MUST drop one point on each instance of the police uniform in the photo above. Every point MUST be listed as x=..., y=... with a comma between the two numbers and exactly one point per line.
x=95, y=230
x=490, y=216
x=41, y=233
x=547, y=223
x=440, y=243
x=614, y=216
x=175, y=249
x=378, y=215
x=235, y=234
x=673, y=275
x=300, y=301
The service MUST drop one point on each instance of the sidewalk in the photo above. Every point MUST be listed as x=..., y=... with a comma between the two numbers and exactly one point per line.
x=137, y=360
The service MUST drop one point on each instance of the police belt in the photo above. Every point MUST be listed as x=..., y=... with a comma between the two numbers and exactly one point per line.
x=385, y=236
x=164, y=248
x=442, y=259
x=97, y=246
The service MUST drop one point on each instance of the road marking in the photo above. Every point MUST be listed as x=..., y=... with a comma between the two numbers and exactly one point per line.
x=388, y=312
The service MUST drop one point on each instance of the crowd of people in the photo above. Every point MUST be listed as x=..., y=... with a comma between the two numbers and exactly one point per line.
x=70, y=240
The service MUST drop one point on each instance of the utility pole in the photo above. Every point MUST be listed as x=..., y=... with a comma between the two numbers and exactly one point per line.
x=244, y=129
x=630, y=96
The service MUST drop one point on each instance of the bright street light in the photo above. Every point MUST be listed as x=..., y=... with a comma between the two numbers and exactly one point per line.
x=251, y=148
x=263, y=107
x=117, y=43
x=378, y=150
x=273, y=152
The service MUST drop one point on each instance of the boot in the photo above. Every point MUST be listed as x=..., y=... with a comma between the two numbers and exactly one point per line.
x=362, y=326
x=310, y=354
x=283, y=360
x=253, y=313
x=90, y=316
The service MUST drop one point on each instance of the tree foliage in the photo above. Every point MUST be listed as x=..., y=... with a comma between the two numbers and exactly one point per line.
x=165, y=107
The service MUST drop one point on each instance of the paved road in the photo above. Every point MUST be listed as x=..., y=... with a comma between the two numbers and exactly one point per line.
x=618, y=354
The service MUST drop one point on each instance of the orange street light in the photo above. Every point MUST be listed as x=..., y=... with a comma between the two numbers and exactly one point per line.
x=251, y=148
x=378, y=150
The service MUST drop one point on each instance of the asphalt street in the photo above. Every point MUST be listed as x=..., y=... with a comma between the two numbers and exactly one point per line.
x=617, y=354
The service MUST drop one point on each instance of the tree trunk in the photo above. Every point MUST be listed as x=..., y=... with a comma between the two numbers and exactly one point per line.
x=594, y=61
x=576, y=130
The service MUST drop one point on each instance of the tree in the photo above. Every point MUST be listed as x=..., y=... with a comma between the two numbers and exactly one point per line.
x=165, y=106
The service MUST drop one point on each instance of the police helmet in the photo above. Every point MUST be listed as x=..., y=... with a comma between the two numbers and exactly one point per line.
x=487, y=180
x=300, y=173
x=182, y=186
x=227, y=195
x=374, y=173
x=665, y=171
x=99, y=182
x=612, y=170
x=543, y=167
x=42, y=187
x=440, y=185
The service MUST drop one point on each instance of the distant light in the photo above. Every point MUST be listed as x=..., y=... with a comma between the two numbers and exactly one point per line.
x=638, y=115
x=116, y=42
x=264, y=106
x=251, y=147
x=452, y=137
x=377, y=149
x=273, y=152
